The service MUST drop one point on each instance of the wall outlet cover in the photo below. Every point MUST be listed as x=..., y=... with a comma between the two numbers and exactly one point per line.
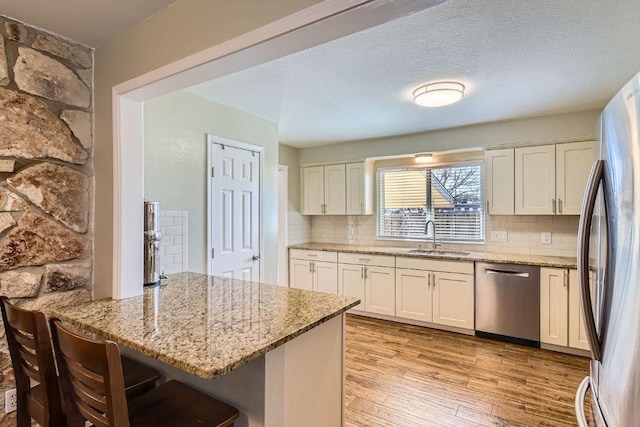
x=545, y=237
x=10, y=401
x=350, y=230
x=498, y=236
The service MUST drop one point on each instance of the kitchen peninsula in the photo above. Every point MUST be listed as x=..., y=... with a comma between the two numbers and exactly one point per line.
x=277, y=354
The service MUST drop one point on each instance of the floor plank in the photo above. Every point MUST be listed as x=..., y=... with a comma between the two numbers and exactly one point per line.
x=403, y=375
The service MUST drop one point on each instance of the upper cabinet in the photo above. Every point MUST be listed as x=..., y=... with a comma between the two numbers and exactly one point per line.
x=538, y=180
x=535, y=180
x=499, y=185
x=344, y=189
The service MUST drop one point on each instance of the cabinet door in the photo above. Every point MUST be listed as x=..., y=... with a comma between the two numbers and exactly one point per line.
x=312, y=190
x=335, y=185
x=577, y=333
x=573, y=165
x=499, y=173
x=351, y=282
x=326, y=277
x=380, y=290
x=355, y=188
x=300, y=274
x=554, y=306
x=535, y=180
x=413, y=294
x=453, y=299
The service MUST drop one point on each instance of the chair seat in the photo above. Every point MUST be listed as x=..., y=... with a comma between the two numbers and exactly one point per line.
x=175, y=404
x=138, y=377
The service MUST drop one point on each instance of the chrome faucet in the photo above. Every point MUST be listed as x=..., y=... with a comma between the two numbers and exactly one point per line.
x=426, y=231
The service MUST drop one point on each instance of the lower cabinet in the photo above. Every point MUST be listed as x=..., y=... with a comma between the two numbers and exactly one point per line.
x=313, y=271
x=371, y=279
x=561, y=321
x=440, y=292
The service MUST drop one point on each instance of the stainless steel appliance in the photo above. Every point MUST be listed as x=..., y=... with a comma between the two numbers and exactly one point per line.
x=609, y=249
x=508, y=302
x=152, y=238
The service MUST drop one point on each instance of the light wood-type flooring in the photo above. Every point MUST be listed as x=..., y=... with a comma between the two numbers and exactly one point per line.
x=400, y=375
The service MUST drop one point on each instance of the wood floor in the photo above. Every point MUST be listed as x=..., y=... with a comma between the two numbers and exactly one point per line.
x=400, y=375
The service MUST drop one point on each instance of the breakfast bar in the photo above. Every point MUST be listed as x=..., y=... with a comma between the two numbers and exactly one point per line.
x=275, y=353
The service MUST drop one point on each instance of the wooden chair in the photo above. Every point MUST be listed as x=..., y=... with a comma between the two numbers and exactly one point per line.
x=92, y=384
x=33, y=358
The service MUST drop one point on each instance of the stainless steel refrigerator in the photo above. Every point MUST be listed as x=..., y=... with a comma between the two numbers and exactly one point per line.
x=609, y=251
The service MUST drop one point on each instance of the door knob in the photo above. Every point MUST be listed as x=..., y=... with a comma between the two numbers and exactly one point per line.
x=256, y=257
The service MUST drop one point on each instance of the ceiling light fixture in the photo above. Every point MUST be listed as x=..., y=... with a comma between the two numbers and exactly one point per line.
x=438, y=94
x=424, y=158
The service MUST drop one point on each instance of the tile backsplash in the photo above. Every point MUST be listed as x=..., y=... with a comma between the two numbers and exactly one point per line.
x=299, y=228
x=523, y=234
x=174, y=245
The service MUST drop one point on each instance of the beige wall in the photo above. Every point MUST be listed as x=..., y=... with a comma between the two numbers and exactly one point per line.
x=556, y=127
x=288, y=156
x=184, y=28
x=175, y=161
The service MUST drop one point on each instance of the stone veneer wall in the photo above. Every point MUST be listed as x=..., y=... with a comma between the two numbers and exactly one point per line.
x=46, y=175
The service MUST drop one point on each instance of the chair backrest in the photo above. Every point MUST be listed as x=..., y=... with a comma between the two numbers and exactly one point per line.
x=91, y=379
x=32, y=358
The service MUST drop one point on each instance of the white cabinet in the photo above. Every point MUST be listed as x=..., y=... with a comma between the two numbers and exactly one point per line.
x=551, y=179
x=359, y=188
x=561, y=321
x=535, y=182
x=323, y=190
x=573, y=165
x=313, y=270
x=440, y=292
x=554, y=308
x=577, y=334
x=344, y=189
x=370, y=278
x=499, y=181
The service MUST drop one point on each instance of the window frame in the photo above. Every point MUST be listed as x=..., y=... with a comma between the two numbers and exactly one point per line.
x=439, y=165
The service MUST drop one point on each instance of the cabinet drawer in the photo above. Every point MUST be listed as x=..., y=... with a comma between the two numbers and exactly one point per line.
x=313, y=255
x=366, y=259
x=464, y=267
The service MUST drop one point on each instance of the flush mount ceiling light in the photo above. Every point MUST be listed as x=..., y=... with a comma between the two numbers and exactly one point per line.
x=424, y=158
x=438, y=94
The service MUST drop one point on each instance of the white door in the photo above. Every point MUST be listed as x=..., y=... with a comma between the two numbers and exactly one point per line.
x=535, y=180
x=577, y=333
x=335, y=190
x=313, y=190
x=554, y=310
x=380, y=290
x=301, y=274
x=235, y=212
x=573, y=165
x=453, y=300
x=499, y=172
x=351, y=282
x=355, y=188
x=325, y=277
x=413, y=294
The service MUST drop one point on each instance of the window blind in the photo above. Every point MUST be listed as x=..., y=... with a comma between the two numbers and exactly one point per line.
x=451, y=196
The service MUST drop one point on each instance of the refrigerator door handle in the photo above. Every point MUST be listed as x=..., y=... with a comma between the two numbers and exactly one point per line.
x=588, y=206
x=579, y=402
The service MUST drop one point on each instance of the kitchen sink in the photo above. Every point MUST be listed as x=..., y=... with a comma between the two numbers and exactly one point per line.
x=442, y=252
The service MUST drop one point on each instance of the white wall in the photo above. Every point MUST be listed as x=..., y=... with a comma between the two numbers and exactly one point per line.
x=556, y=127
x=176, y=159
x=298, y=226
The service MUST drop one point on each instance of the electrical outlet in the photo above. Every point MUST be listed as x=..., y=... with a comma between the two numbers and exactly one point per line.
x=545, y=237
x=10, y=401
x=350, y=230
x=498, y=236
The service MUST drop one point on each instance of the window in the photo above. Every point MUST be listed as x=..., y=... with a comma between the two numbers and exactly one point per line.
x=449, y=195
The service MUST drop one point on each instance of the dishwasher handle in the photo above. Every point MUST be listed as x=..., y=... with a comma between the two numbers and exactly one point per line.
x=506, y=272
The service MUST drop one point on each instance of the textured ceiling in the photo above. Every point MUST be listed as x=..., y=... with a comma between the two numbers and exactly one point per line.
x=90, y=22
x=517, y=58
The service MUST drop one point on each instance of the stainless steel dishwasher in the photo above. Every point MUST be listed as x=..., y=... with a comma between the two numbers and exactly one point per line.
x=508, y=302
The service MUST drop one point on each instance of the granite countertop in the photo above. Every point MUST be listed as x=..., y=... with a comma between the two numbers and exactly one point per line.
x=541, y=260
x=207, y=325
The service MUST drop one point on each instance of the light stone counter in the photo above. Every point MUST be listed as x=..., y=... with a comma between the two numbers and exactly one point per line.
x=206, y=325
x=540, y=260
